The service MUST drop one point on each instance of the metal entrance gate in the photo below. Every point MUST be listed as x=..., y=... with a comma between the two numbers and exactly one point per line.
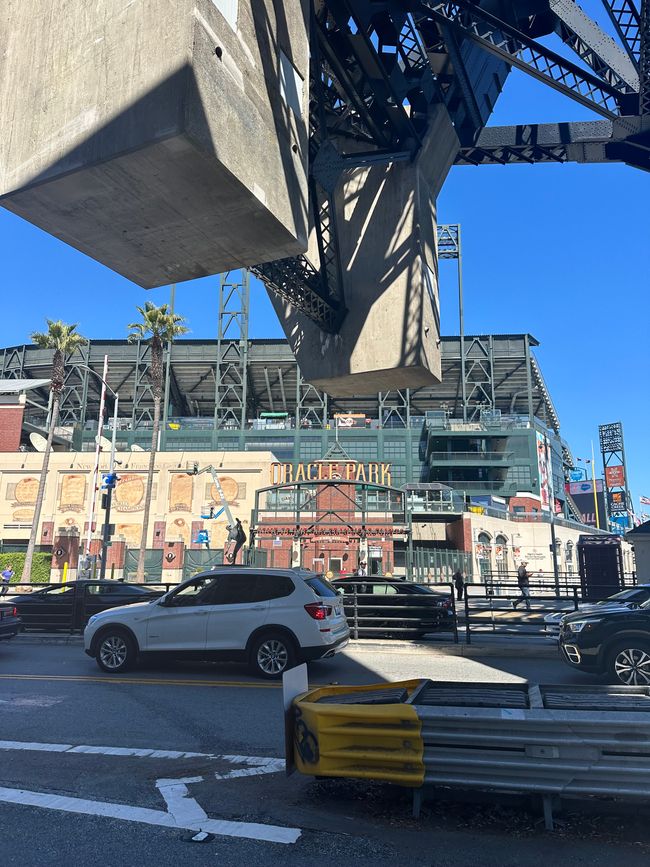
x=200, y=560
x=153, y=565
x=431, y=564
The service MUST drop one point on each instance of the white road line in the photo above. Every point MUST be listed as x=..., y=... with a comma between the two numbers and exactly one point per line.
x=141, y=753
x=81, y=806
x=185, y=810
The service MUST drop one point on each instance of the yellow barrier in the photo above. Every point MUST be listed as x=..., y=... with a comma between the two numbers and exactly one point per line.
x=372, y=742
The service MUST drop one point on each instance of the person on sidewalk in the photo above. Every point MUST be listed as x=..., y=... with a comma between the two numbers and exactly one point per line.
x=459, y=584
x=523, y=580
x=7, y=575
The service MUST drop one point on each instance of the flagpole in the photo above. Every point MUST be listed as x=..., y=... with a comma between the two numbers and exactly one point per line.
x=593, y=481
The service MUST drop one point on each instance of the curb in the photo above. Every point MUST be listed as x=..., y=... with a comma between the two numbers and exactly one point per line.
x=476, y=649
x=505, y=649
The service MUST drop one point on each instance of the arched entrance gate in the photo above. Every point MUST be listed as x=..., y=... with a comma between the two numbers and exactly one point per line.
x=329, y=525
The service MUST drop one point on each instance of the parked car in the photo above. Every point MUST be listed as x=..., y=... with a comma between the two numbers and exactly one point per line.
x=270, y=618
x=394, y=607
x=630, y=597
x=9, y=621
x=613, y=641
x=68, y=606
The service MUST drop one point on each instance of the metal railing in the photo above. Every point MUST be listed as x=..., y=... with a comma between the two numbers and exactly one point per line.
x=470, y=456
x=373, y=612
x=488, y=607
x=68, y=607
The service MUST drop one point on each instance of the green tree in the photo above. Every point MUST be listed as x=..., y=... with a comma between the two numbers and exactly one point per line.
x=158, y=325
x=64, y=340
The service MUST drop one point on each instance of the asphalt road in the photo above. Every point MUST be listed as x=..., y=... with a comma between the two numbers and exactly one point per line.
x=117, y=771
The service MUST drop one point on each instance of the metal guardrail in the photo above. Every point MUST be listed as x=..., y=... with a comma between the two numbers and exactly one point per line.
x=552, y=741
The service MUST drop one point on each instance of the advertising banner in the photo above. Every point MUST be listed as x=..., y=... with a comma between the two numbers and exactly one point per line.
x=615, y=476
x=616, y=502
x=350, y=419
x=583, y=496
x=544, y=471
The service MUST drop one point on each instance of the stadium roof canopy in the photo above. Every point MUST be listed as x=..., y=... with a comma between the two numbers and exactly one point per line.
x=501, y=373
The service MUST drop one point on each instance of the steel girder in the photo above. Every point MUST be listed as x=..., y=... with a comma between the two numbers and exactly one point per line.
x=500, y=38
x=600, y=141
x=379, y=65
x=371, y=88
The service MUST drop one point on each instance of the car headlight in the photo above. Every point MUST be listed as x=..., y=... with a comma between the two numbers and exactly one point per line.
x=579, y=625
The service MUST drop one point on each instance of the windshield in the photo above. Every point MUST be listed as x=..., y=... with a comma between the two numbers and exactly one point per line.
x=623, y=596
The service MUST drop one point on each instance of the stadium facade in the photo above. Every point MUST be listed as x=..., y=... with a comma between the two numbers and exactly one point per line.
x=479, y=456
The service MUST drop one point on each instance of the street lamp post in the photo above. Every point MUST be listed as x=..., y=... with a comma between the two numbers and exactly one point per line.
x=106, y=534
x=549, y=464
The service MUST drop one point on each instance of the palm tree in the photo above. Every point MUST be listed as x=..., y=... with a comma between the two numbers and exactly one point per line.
x=64, y=340
x=158, y=325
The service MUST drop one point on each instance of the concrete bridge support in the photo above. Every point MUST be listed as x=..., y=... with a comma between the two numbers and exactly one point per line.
x=387, y=229
x=165, y=138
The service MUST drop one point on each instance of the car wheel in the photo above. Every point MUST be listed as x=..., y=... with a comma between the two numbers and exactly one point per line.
x=116, y=651
x=629, y=663
x=272, y=654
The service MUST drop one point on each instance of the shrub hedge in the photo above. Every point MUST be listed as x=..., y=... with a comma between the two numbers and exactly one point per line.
x=41, y=565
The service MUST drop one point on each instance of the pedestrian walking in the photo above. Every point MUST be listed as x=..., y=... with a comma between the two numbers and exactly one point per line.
x=6, y=575
x=523, y=580
x=459, y=584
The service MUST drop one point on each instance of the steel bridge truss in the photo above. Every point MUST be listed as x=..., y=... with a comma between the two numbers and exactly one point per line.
x=378, y=67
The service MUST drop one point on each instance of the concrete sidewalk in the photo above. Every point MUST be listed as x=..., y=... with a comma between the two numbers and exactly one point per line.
x=483, y=645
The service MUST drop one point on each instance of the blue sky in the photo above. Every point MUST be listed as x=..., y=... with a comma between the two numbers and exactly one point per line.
x=562, y=252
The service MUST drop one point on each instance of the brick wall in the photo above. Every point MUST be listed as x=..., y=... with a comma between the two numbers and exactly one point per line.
x=11, y=425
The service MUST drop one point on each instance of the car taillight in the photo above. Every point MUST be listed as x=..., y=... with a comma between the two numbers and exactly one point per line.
x=14, y=612
x=318, y=611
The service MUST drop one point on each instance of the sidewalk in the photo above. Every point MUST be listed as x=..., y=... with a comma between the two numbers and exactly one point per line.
x=484, y=644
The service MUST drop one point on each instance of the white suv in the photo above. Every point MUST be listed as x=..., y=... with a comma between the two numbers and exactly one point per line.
x=270, y=618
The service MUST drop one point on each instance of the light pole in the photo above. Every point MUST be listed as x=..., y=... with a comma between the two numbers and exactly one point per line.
x=549, y=464
x=111, y=472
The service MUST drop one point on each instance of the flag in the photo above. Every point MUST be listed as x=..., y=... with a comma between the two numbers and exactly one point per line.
x=644, y=501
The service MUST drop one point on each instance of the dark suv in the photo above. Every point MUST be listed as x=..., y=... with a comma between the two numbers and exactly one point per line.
x=614, y=643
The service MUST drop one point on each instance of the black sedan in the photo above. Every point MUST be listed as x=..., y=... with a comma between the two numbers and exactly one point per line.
x=68, y=606
x=9, y=621
x=393, y=608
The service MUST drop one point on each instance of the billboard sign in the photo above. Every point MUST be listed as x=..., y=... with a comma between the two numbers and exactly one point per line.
x=616, y=502
x=585, y=487
x=350, y=419
x=615, y=476
x=583, y=496
x=544, y=471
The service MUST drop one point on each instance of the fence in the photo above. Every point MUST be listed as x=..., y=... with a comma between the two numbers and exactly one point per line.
x=68, y=606
x=383, y=609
